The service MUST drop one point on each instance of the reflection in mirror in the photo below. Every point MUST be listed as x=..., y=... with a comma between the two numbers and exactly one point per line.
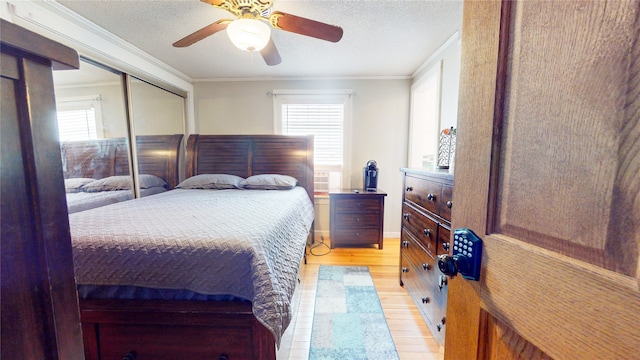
x=157, y=116
x=93, y=134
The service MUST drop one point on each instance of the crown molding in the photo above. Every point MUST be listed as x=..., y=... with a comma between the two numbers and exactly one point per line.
x=303, y=78
x=453, y=38
x=51, y=19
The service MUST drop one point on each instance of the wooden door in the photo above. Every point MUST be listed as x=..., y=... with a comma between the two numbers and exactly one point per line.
x=548, y=175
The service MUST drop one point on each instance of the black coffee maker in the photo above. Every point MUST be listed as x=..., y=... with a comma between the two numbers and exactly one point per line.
x=370, y=176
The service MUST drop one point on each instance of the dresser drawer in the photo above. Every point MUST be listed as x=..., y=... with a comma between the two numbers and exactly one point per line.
x=423, y=193
x=439, y=311
x=444, y=236
x=446, y=202
x=367, y=219
x=357, y=204
x=419, y=290
x=423, y=228
x=157, y=342
x=410, y=248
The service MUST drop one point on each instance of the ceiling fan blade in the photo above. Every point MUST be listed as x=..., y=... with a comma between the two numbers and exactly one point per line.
x=303, y=26
x=202, y=33
x=270, y=54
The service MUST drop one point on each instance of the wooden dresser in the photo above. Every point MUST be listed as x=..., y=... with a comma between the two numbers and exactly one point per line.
x=426, y=228
x=356, y=217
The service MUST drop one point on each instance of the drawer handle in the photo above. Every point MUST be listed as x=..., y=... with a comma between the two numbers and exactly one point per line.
x=442, y=282
x=427, y=232
x=405, y=270
x=439, y=327
x=431, y=197
x=405, y=243
x=131, y=355
x=409, y=188
x=449, y=204
x=445, y=246
x=405, y=215
x=426, y=267
x=426, y=300
x=223, y=357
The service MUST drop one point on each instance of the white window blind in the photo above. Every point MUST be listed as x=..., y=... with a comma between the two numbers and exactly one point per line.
x=324, y=121
x=77, y=124
x=79, y=118
x=326, y=117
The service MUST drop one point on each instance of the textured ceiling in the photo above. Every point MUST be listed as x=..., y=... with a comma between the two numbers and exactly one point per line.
x=382, y=38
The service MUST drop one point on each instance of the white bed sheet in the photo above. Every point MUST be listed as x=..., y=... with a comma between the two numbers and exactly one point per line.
x=244, y=243
x=81, y=201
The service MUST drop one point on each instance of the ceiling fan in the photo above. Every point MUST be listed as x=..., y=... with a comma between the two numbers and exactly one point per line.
x=250, y=31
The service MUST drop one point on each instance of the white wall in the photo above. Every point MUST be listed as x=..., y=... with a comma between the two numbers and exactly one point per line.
x=449, y=53
x=380, y=114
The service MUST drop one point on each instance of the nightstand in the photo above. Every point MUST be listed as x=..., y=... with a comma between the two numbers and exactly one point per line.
x=357, y=217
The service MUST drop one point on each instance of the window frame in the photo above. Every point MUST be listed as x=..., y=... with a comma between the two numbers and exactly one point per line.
x=344, y=96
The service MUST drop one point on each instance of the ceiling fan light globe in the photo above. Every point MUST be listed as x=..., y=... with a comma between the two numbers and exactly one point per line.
x=249, y=34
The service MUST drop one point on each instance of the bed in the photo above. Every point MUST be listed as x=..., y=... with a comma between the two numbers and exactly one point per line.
x=204, y=307
x=96, y=172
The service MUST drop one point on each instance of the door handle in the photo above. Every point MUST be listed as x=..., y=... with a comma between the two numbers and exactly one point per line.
x=466, y=257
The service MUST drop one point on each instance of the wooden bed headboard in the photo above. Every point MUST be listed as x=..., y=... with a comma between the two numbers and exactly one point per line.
x=158, y=155
x=246, y=155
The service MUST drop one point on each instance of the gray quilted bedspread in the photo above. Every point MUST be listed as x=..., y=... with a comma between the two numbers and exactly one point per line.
x=245, y=243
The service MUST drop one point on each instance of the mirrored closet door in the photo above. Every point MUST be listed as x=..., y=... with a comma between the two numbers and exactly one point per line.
x=93, y=132
x=120, y=137
x=158, y=118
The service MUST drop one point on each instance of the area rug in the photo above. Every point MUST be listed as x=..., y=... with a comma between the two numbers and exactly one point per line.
x=348, y=321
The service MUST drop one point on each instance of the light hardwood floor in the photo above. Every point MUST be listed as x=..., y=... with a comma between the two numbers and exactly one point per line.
x=411, y=336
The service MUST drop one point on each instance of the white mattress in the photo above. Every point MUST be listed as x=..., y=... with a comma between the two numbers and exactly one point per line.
x=244, y=243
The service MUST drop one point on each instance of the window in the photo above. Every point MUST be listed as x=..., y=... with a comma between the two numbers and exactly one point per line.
x=79, y=118
x=326, y=115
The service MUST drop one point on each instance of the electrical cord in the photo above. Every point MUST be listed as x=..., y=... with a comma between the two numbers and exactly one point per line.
x=319, y=244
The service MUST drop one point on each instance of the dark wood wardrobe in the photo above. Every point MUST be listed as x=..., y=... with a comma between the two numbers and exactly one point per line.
x=39, y=304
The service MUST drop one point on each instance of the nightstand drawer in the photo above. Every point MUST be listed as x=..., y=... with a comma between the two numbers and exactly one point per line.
x=356, y=236
x=369, y=219
x=356, y=204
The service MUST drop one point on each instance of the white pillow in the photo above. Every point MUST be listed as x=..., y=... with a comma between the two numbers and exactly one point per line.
x=123, y=182
x=148, y=181
x=74, y=185
x=269, y=182
x=211, y=181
